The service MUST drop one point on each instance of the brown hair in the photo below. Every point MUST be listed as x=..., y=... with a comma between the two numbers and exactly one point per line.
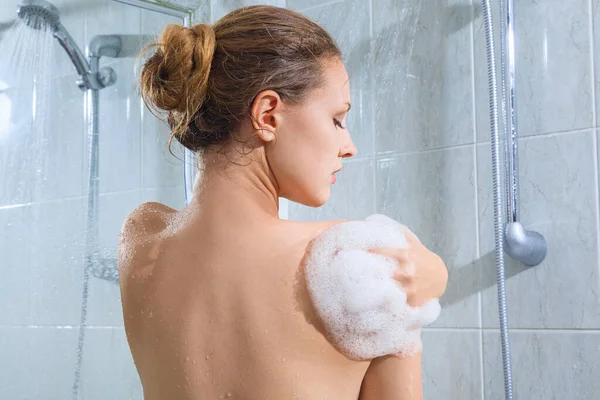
x=206, y=77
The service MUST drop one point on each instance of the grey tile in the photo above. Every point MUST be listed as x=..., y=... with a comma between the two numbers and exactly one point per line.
x=15, y=368
x=545, y=365
x=433, y=193
x=423, y=78
x=351, y=196
x=553, y=68
x=57, y=274
x=348, y=22
x=451, y=364
x=221, y=7
x=108, y=370
x=301, y=5
x=558, y=199
x=16, y=229
x=53, y=360
x=596, y=55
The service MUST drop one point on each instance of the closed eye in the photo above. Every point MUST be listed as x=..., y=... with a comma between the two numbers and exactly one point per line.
x=338, y=124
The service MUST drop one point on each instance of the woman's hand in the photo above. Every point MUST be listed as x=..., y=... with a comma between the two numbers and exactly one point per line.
x=422, y=273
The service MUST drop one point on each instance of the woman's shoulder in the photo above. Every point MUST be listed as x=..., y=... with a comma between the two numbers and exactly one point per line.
x=142, y=228
x=147, y=218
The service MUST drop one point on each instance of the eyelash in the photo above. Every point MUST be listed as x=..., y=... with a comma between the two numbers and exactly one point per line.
x=338, y=123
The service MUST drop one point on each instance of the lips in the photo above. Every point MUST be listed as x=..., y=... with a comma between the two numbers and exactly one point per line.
x=333, y=177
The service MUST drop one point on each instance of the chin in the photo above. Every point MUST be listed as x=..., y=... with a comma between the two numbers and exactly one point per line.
x=315, y=199
x=322, y=198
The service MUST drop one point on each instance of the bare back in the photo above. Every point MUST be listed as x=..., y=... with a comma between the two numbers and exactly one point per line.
x=216, y=307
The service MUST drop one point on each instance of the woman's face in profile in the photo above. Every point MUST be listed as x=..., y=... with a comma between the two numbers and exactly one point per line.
x=312, y=140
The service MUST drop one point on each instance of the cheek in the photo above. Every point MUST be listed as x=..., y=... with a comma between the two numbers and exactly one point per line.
x=302, y=161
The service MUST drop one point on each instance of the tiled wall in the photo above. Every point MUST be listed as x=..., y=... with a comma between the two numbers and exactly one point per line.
x=421, y=123
x=42, y=217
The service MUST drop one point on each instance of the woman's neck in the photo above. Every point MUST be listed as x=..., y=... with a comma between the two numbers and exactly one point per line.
x=235, y=182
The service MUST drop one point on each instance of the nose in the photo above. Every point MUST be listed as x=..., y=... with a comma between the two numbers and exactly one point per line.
x=348, y=148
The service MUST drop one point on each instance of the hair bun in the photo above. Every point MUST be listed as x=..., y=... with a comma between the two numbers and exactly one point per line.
x=175, y=77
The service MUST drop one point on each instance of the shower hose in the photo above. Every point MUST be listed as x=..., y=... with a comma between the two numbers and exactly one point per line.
x=498, y=219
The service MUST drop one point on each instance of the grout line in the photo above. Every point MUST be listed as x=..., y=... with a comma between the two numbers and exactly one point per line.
x=82, y=197
x=546, y=134
x=396, y=154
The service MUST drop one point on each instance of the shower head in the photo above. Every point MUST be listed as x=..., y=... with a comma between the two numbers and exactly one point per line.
x=38, y=14
x=42, y=15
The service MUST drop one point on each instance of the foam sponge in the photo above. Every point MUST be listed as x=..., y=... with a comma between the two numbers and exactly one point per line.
x=362, y=307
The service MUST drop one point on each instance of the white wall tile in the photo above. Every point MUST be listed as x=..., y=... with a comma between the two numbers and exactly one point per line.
x=15, y=368
x=433, y=193
x=108, y=370
x=120, y=126
x=57, y=274
x=558, y=199
x=63, y=152
x=16, y=230
x=159, y=167
x=17, y=162
x=52, y=362
x=422, y=66
x=451, y=364
x=545, y=365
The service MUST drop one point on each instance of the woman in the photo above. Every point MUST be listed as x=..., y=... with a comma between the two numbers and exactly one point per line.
x=213, y=296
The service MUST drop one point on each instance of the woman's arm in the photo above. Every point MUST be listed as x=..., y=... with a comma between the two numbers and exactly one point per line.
x=393, y=378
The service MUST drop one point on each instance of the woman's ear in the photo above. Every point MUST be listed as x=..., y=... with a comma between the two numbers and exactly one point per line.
x=265, y=114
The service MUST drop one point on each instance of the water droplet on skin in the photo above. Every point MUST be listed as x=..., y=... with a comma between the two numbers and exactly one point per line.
x=229, y=394
x=283, y=359
x=266, y=331
x=298, y=375
x=207, y=357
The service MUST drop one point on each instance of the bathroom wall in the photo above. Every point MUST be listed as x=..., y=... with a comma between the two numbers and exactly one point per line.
x=42, y=216
x=420, y=118
x=421, y=125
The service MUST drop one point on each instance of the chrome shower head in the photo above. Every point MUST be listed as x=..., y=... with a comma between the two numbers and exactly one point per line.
x=42, y=15
x=38, y=14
